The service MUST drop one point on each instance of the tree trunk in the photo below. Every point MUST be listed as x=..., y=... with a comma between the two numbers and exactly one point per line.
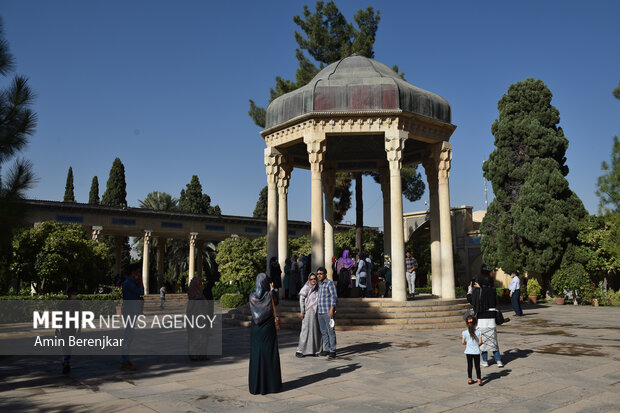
x=359, y=212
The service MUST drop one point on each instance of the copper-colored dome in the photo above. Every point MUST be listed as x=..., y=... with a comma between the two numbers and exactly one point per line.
x=357, y=83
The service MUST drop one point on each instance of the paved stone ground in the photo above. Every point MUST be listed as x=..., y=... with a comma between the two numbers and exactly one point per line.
x=557, y=358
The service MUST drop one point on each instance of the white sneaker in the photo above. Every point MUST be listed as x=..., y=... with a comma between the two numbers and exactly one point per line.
x=500, y=364
x=484, y=364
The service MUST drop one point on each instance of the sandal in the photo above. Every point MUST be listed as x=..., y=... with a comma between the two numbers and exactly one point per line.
x=470, y=381
x=480, y=382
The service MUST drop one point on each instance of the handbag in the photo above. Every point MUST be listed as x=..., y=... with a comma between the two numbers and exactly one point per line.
x=275, y=314
x=499, y=318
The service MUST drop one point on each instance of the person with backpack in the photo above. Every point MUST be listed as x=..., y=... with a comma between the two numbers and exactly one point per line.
x=344, y=267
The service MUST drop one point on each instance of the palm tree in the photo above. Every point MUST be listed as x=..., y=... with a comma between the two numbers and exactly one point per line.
x=17, y=123
x=160, y=201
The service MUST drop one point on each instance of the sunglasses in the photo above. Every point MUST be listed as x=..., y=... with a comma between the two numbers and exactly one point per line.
x=312, y=279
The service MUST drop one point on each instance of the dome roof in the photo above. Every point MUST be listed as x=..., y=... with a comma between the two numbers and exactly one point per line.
x=357, y=83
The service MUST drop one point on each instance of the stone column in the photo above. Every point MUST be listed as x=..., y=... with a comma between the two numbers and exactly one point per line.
x=192, y=255
x=329, y=182
x=316, y=144
x=272, y=162
x=96, y=232
x=447, y=260
x=145, y=260
x=430, y=167
x=199, y=245
x=119, y=247
x=284, y=178
x=384, y=177
x=161, y=253
x=394, y=145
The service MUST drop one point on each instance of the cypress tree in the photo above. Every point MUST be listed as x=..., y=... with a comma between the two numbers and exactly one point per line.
x=533, y=218
x=93, y=196
x=69, y=196
x=260, y=211
x=193, y=200
x=116, y=188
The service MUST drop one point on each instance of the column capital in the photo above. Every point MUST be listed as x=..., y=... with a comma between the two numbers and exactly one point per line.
x=193, y=236
x=96, y=232
x=444, y=162
x=273, y=160
x=147, y=236
x=284, y=176
x=316, y=145
x=394, y=146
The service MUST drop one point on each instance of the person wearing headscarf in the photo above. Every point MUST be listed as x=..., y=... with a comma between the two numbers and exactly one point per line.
x=196, y=305
x=264, y=375
x=483, y=297
x=293, y=282
x=344, y=277
x=310, y=339
x=275, y=272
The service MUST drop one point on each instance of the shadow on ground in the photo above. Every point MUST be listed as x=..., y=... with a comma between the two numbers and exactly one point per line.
x=314, y=378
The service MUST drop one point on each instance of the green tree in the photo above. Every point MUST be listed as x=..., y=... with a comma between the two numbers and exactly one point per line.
x=116, y=195
x=116, y=188
x=69, y=196
x=238, y=260
x=54, y=255
x=159, y=201
x=260, y=210
x=93, y=195
x=534, y=216
x=17, y=123
x=616, y=91
x=609, y=184
x=193, y=200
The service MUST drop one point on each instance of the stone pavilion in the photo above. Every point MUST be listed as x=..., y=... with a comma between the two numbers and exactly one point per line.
x=356, y=115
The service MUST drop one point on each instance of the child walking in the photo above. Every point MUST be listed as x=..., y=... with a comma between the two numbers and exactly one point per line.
x=472, y=338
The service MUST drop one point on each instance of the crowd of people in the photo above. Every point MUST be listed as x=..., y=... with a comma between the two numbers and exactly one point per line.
x=353, y=276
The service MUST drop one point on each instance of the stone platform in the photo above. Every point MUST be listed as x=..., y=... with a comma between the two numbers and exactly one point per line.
x=424, y=312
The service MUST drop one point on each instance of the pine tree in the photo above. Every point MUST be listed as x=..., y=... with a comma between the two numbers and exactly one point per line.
x=17, y=123
x=328, y=37
x=609, y=184
x=116, y=188
x=534, y=215
x=193, y=200
x=93, y=196
x=69, y=196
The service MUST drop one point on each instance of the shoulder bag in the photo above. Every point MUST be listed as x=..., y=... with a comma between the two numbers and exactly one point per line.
x=275, y=314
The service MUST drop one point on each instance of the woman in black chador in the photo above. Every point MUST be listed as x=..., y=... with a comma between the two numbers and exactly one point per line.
x=265, y=376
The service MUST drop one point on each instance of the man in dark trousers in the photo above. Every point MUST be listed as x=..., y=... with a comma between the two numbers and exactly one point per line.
x=325, y=312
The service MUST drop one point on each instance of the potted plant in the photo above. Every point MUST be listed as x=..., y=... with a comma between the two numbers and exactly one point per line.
x=533, y=290
x=572, y=278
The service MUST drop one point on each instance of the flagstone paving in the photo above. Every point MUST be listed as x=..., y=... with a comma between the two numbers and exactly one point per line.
x=557, y=358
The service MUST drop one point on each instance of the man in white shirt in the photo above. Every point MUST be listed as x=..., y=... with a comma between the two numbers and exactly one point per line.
x=515, y=294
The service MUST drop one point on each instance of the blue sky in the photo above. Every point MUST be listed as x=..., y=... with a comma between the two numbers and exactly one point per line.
x=165, y=87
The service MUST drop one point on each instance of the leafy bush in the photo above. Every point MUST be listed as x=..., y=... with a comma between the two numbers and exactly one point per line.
x=572, y=278
x=220, y=288
x=533, y=287
x=461, y=291
x=424, y=290
x=239, y=260
x=232, y=300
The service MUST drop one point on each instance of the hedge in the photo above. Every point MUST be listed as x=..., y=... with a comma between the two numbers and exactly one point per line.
x=229, y=300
